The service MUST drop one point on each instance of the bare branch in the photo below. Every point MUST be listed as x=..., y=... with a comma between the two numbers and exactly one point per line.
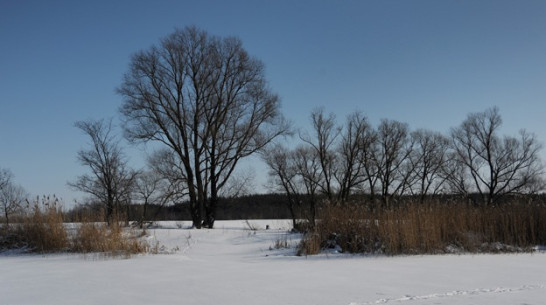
x=206, y=100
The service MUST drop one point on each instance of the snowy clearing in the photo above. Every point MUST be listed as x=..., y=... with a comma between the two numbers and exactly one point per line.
x=235, y=265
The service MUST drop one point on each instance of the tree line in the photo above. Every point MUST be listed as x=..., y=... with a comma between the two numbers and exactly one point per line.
x=204, y=102
x=390, y=161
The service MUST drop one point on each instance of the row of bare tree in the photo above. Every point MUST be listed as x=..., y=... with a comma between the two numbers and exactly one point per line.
x=389, y=161
x=205, y=104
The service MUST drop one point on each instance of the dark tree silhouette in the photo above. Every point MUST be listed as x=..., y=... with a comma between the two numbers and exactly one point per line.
x=111, y=180
x=206, y=100
x=12, y=196
x=496, y=165
x=428, y=160
x=390, y=156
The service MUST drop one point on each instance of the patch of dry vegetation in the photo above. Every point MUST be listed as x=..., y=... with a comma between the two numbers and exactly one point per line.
x=111, y=240
x=42, y=230
x=415, y=228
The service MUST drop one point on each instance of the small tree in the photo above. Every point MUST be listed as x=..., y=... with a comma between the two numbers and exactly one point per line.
x=298, y=173
x=111, y=180
x=428, y=160
x=309, y=168
x=390, y=156
x=353, y=149
x=151, y=188
x=455, y=174
x=5, y=178
x=11, y=196
x=369, y=150
x=320, y=147
x=283, y=176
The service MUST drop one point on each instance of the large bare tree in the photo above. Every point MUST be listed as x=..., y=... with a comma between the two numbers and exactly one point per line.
x=497, y=165
x=207, y=101
x=110, y=179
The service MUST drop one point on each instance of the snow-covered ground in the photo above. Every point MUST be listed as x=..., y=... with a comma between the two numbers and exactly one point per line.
x=234, y=265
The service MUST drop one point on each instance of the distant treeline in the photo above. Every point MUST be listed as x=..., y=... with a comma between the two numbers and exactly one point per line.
x=260, y=206
x=275, y=206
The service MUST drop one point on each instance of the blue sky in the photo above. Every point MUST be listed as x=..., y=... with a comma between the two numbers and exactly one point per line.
x=427, y=63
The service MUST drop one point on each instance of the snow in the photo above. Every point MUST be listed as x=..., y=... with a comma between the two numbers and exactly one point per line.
x=234, y=265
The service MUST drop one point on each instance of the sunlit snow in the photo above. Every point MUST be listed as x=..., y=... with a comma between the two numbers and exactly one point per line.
x=235, y=265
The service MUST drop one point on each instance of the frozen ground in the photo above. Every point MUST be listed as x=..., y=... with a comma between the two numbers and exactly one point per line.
x=234, y=265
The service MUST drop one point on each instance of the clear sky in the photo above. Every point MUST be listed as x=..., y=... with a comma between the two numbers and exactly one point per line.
x=427, y=63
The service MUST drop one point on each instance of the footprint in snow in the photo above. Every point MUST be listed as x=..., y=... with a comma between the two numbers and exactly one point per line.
x=454, y=293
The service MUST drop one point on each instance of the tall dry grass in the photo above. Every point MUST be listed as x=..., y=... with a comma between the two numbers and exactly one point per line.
x=112, y=240
x=415, y=228
x=42, y=229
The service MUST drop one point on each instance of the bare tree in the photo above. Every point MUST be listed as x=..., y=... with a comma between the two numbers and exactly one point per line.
x=5, y=178
x=151, y=188
x=428, y=160
x=241, y=183
x=322, y=144
x=390, y=157
x=167, y=166
x=110, y=180
x=369, y=148
x=207, y=101
x=351, y=164
x=309, y=167
x=455, y=174
x=11, y=196
x=497, y=165
x=283, y=175
x=298, y=173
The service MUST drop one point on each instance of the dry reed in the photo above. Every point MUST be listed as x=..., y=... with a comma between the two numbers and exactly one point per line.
x=43, y=230
x=415, y=228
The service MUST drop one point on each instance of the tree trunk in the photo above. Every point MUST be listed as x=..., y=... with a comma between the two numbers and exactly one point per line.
x=7, y=216
x=291, y=204
x=109, y=210
x=196, y=215
x=194, y=207
x=210, y=209
x=144, y=212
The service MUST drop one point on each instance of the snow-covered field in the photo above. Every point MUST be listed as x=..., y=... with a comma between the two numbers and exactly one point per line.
x=234, y=265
